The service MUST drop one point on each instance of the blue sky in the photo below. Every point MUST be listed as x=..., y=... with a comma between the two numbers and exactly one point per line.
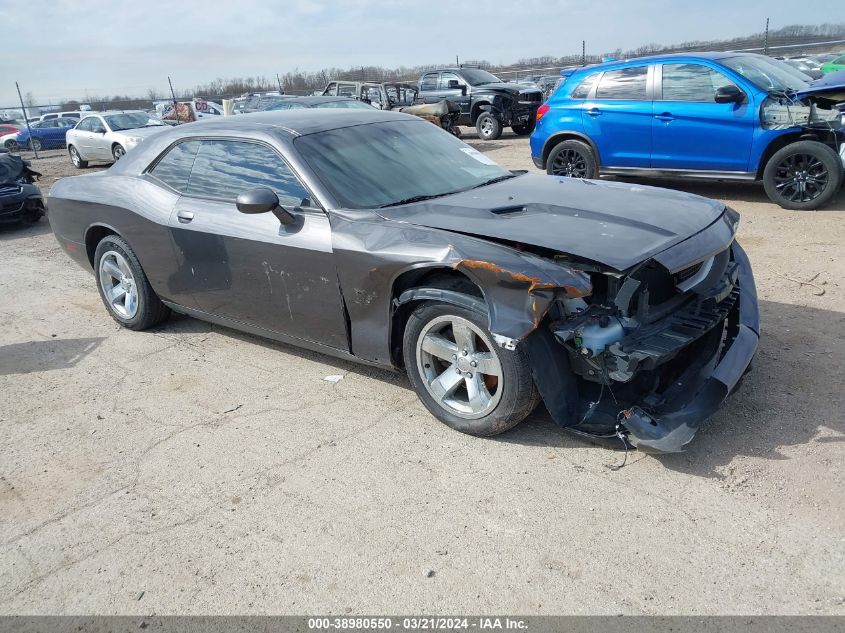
x=64, y=48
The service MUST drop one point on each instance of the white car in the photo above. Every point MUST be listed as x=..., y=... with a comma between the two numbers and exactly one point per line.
x=107, y=136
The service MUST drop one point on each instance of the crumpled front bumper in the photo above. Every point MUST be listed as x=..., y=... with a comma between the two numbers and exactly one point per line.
x=670, y=429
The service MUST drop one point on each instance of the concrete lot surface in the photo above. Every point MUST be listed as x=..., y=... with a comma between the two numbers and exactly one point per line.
x=195, y=470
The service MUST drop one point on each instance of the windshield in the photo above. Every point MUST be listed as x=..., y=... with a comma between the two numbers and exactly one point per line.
x=767, y=74
x=343, y=104
x=476, y=77
x=130, y=121
x=368, y=166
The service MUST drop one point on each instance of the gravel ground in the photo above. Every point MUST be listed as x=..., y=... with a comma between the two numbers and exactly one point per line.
x=193, y=469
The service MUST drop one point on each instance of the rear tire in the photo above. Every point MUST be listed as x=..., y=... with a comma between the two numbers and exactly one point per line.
x=484, y=399
x=523, y=130
x=573, y=159
x=76, y=159
x=124, y=288
x=803, y=176
x=489, y=128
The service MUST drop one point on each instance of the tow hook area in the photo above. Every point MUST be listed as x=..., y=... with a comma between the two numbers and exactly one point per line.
x=647, y=433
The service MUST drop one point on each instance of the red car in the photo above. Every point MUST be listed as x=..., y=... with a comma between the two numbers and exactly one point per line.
x=10, y=143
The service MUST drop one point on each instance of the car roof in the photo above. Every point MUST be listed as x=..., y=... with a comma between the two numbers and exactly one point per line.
x=650, y=59
x=105, y=112
x=320, y=99
x=296, y=122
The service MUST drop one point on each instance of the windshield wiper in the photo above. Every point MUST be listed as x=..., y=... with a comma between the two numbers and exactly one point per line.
x=493, y=181
x=417, y=199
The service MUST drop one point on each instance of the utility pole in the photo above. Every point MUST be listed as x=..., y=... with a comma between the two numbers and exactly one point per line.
x=583, y=52
x=457, y=62
x=26, y=118
x=175, y=105
x=766, y=39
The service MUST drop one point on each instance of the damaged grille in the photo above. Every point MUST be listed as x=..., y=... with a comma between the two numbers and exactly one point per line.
x=531, y=97
x=682, y=328
x=682, y=275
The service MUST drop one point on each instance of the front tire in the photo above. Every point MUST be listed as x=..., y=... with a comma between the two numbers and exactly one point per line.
x=573, y=159
x=489, y=128
x=11, y=145
x=803, y=176
x=124, y=287
x=76, y=159
x=461, y=376
x=118, y=152
x=35, y=144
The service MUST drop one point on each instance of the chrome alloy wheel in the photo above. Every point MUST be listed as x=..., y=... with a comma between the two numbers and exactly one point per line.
x=459, y=367
x=118, y=284
x=487, y=126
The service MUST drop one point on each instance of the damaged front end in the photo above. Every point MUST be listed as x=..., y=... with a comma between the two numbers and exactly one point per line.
x=653, y=351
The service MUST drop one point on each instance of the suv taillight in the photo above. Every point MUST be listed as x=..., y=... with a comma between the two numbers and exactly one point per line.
x=541, y=111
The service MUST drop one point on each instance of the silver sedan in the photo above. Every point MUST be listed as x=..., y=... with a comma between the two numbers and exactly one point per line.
x=107, y=136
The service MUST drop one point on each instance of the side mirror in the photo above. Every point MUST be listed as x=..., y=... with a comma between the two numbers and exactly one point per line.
x=729, y=94
x=263, y=200
x=99, y=130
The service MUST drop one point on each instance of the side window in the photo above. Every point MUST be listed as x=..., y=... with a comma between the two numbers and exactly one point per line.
x=692, y=82
x=627, y=83
x=174, y=168
x=346, y=90
x=429, y=82
x=224, y=169
x=331, y=90
x=582, y=91
x=85, y=124
x=47, y=117
x=445, y=78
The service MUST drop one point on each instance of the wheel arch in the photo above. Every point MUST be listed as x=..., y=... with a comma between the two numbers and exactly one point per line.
x=779, y=143
x=569, y=135
x=424, y=284
x=477, y=108
x=94, y=235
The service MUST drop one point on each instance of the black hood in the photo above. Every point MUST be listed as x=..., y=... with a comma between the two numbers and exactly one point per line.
x=510, y=88
x=612, y=223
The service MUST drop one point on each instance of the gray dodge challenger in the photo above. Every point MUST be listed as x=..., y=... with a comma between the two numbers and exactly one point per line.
x=630, y=311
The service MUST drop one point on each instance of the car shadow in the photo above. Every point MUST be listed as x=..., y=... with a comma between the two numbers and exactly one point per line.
x=23, y=229
x=38, y=356
x=780, y=403
x=734, y=191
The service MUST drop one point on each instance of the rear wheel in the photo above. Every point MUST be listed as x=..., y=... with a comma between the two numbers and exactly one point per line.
x=76, y=159
x=124, y=287
x=489, y=128
x=523, y=130
x=573, y=159
x=803, y=175
x=118, y=152
x=462, y=377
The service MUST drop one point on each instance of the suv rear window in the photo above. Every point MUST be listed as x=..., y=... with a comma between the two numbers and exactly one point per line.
x=582, y=91
x=626, y=83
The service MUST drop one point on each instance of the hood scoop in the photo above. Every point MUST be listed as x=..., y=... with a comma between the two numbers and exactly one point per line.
x=515, y=209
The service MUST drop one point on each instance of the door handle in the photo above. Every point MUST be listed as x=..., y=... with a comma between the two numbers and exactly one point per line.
x=594, y=112
x=665, y=116
x=184, y=216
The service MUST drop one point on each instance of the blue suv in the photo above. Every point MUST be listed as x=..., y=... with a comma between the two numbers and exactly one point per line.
x=723, y=116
